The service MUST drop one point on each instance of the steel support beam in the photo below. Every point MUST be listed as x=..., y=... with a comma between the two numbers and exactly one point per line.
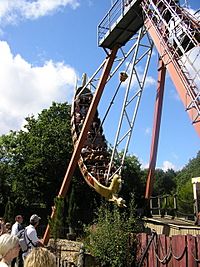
x=156, y=128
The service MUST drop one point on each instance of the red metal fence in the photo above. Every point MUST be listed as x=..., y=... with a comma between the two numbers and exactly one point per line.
x=160, y=250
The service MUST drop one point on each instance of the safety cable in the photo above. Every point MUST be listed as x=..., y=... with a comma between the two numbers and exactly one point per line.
x=181, y=255
x=166, y=258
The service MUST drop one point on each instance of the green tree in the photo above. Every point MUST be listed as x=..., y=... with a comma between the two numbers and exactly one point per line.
x=56, y=223
x=72, y=212
x=37, y=158
x=191, y=170
x=33, y=163
x=184, y=186
x=165, y=182
x=185, y=199
x=4, y=186
x=9, y=212
x=132, y=176
x=82, y=201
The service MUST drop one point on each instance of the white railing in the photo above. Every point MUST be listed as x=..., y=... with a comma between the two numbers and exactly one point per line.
x=116, y=11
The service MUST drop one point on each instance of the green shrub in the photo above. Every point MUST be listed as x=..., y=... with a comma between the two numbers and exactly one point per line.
x=56, y=223
x=110, y=239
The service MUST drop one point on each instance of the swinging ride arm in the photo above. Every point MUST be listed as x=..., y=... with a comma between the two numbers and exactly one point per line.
x=77, y=150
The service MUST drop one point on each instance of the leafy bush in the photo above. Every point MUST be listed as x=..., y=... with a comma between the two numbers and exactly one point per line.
x=110, y=239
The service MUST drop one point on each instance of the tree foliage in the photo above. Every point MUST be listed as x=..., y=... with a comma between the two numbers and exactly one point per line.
x=34, y=160
x=191, y=170
x=132, y=179
x=56, y=223
x=33, y=163
x=164, y=182
x=185, y=199
x=184, y=185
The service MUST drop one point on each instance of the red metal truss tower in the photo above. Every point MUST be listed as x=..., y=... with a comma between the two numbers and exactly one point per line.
x=127, y=33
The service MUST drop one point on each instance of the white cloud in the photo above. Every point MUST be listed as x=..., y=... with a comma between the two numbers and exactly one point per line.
x=15, y=10
x=168, y=165
x=149, y=80
x=148, y=131
x=144, y=165
x=90, y=3
x=26, y=90
x=174, y=95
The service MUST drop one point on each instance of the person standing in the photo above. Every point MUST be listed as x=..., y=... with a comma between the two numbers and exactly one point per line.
x=2, y=226
x=16, y=228
x=31, y=237
x=197, y=221
x=8, y=227
x=40, y=257
x=9, y=249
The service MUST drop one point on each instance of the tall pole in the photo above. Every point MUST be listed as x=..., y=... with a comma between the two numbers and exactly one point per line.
x=156, y=128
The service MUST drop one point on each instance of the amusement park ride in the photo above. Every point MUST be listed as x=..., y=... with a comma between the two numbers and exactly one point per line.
x=127, y=34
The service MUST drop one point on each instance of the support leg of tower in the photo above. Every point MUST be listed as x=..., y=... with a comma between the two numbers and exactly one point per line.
x=156, y=128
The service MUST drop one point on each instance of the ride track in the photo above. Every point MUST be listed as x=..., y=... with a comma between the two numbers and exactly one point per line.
x=127, y=34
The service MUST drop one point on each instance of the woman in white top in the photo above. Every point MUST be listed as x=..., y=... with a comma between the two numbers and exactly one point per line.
x=9, y=249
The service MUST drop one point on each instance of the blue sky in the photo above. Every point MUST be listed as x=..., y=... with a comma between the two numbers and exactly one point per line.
x=45, y=46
